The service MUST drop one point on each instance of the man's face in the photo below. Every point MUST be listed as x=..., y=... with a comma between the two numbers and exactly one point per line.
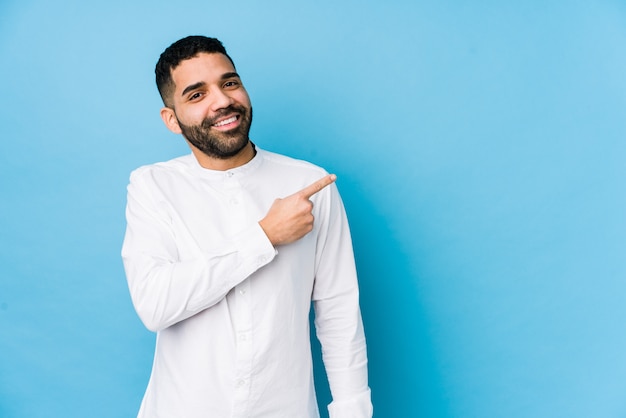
x=212, y=109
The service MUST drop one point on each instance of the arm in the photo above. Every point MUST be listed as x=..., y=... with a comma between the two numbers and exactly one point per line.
x=337, y=315
x=166, y=289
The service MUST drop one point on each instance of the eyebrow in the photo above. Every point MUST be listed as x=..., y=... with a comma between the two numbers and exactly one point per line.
x=230, y=75
x=193, y=87
x=199, y=84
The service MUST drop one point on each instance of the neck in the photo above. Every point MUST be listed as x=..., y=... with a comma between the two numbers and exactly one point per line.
x=211, y=163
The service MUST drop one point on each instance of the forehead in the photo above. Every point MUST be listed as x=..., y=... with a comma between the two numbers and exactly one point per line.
x=203, y=67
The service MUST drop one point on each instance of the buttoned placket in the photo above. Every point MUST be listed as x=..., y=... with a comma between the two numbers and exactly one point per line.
x=243, y=312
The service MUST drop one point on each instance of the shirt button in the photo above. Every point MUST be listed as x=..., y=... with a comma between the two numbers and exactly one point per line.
x=242, y=291
x=234, y=201
x=240, y=383
x=230, y=174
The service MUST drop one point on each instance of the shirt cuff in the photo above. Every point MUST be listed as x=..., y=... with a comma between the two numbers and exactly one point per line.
x=359, y=406
x=253, y=242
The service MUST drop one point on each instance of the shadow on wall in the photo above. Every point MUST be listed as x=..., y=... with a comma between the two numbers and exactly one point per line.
x=403, y=373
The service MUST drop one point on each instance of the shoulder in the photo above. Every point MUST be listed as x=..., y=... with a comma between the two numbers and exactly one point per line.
x=174, y=166
x=288, y=175
x=292, y=166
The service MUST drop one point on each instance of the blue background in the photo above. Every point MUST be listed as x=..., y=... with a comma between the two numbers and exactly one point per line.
x=480, y=149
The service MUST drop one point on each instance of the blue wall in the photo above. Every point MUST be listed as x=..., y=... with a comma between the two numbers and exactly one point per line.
x=481, y=154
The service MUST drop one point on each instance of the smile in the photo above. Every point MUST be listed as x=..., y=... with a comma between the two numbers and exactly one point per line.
x=225, y=121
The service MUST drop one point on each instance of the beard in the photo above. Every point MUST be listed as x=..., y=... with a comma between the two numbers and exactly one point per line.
x=217, y=144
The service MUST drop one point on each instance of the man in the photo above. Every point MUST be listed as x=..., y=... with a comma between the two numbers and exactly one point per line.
x=224, y=251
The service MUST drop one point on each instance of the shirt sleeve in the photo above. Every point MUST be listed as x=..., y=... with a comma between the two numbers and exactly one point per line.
x=165, y=289
x=338, y=320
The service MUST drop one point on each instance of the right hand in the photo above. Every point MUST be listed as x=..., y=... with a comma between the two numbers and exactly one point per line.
x=291, y=218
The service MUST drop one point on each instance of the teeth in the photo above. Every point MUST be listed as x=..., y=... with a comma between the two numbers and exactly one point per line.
x=226, y=121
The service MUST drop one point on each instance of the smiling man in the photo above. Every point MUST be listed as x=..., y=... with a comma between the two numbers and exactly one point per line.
x=225, y=250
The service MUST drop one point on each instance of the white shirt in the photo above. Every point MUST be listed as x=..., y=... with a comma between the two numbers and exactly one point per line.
x=231, y=312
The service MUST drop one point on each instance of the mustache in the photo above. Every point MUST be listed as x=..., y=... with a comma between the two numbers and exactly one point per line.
x=209, y=121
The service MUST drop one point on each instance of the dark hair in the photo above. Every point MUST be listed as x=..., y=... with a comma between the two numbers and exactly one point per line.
x=179, y=51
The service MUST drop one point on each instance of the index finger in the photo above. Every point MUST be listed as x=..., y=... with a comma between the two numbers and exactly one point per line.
x=310, y=190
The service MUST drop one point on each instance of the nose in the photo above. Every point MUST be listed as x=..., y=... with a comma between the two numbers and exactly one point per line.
x=221, y=100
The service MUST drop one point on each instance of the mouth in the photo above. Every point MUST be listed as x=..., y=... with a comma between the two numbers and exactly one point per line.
x=228, y=123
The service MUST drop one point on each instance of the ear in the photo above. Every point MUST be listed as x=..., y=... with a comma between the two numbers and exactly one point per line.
x=169, y=118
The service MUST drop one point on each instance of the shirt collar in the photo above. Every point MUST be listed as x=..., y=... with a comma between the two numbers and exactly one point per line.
x=237, y=172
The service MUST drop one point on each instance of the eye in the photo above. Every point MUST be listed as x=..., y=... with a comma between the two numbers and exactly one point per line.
x=231, y=84
x=195, y=96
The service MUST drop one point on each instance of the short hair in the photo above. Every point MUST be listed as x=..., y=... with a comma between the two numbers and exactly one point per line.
x=179, y=51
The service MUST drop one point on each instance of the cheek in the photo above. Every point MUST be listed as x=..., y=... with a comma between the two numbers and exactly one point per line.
x=243, y=98
x=194, y=116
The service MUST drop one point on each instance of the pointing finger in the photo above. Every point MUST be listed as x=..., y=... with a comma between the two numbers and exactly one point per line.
x=310, y=190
